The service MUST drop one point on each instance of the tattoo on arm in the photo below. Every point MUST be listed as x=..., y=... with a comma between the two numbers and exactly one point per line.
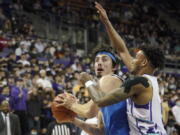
x=102, y=99
x=117, y=95
x=95, y=93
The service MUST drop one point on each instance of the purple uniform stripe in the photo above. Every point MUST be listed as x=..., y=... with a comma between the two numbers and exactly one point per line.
x=151, y=110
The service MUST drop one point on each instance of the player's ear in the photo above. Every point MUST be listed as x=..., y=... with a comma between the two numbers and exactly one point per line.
x=144, y=62
x=93, y=64
x=116, y=67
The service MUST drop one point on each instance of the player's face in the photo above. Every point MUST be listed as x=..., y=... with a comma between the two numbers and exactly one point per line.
x=138, y=62
x=103, y=65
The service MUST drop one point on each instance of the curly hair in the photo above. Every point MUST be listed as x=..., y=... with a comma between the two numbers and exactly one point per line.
x=155, y=55
x=105, y=48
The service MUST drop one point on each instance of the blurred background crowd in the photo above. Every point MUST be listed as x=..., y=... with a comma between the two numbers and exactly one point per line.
x=45, y=44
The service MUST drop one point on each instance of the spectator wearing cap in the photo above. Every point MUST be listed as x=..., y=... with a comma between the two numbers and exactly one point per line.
x=19, y=98
x=9, y=122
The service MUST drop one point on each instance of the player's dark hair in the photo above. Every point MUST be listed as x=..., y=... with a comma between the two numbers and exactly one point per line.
x=154, y=55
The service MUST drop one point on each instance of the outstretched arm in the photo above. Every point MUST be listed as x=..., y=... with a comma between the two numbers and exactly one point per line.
x=115, y=38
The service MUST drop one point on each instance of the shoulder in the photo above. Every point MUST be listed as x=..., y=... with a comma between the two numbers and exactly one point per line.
x=109, y=78
x=137, y=82
x=14, y=116
x=109, y=82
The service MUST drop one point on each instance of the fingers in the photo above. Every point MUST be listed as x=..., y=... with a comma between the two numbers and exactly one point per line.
x=98, y=6
x=68, y=95
x=64, y=97
x=59, y=100
x=59, y=105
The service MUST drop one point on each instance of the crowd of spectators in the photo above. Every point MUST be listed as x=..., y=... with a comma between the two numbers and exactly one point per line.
x=141, y=24
x=171, y=8
x=34, y=70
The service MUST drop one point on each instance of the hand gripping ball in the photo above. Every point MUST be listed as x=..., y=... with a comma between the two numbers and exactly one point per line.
x=62, y=114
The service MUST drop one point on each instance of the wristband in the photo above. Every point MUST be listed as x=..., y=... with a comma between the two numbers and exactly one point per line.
x=89, y=83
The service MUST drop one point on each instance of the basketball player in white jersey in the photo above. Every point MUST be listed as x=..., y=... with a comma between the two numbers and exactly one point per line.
x=141, y=91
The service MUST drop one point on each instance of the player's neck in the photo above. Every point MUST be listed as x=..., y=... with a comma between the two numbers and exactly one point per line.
x=99, y=76
x=148, y=71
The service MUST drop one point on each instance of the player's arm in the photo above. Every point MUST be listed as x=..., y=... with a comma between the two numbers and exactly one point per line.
x=91, y=129
x=87, y=110
x=90, y=109
x=132, y=87
x=115, y=38
x=69, y=101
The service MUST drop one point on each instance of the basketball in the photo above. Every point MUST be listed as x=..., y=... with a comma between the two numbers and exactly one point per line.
x=62, y=114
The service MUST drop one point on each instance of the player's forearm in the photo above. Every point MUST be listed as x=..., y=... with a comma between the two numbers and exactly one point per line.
x=115, y=38
x=113, y=97
x=82, y=110
x=91, y=129
x=118, y=43
x=95, y=94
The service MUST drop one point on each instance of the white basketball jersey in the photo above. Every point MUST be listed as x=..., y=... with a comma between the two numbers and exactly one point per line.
x=146, y=119
x=90, y=121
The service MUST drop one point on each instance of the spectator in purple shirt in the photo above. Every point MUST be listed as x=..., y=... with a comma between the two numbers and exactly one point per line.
x=57, y=84
x=18, y=98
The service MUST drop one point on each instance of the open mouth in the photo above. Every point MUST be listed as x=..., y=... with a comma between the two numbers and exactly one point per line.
x=100, y=70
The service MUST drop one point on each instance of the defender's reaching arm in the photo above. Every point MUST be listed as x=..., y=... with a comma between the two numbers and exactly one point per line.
x=115, y=38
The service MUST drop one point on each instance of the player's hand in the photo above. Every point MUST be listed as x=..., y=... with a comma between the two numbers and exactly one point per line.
x=102, y=12
x=66, y=100
x=84, y=77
